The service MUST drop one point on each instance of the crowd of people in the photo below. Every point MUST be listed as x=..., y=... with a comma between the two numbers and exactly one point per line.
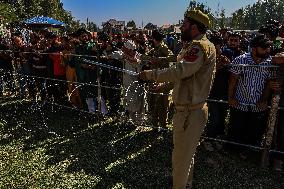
x=53, y=67
x=49, y=59
x=247, y=78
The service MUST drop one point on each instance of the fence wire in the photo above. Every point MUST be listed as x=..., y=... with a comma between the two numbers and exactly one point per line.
x=88, y=60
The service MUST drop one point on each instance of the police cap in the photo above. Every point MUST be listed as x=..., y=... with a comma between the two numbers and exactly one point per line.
x=198, y=16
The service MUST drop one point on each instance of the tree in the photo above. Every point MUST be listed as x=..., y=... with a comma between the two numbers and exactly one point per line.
x=20, y=10
x=253, y=16
x=150, y=26
x=92, y=27
x=8, y=13
x=192, y=4
x=207, y=10
x=238, y=19
x=131, y=24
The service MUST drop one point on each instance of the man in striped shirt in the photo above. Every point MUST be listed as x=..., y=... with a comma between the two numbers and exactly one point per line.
x=248, y=93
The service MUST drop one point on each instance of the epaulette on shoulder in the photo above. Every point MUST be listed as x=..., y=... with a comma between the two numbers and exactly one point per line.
x=203, y=45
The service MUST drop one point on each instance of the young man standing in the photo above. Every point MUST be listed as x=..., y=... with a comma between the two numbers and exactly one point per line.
x=218, y=111
x=248, y=95
x=157, y=103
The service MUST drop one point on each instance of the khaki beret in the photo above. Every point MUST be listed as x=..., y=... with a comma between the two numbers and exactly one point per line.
x=198, y=16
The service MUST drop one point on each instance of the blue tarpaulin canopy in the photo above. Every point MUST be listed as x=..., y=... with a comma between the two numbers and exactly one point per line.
x=41, y=21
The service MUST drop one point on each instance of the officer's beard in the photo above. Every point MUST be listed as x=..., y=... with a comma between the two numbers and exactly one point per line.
x=186, y=35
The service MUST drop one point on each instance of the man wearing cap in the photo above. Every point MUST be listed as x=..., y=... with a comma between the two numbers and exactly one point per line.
x=159, y=59
x=248, y=93
x=192, y=78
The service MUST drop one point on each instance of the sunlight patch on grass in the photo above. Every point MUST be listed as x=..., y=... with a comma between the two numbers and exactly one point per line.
x=128, y=158
x=131, y=134
x=28, y=169
x=118, y=186
x=122, y=138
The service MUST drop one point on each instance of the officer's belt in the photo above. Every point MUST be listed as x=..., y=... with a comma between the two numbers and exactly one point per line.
x=184, y=108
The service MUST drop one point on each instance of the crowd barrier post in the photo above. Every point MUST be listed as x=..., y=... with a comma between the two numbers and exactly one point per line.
x=272, y=119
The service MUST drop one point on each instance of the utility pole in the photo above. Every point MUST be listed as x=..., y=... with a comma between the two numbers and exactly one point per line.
x=87, y=25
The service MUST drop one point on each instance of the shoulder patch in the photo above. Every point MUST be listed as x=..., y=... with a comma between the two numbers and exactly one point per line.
x=191, y=55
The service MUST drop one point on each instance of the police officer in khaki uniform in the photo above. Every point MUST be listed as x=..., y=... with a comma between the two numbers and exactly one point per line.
x=158, y=104
x=192, y=78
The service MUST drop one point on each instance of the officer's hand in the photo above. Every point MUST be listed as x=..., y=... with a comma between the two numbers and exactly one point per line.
x=233, y=102
x=262, y=105
x=142, y=76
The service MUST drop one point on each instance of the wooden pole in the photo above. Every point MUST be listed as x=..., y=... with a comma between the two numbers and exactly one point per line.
x=270, y=129
x=278, y=60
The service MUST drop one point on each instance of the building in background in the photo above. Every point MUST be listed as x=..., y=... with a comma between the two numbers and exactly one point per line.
x=113, y=26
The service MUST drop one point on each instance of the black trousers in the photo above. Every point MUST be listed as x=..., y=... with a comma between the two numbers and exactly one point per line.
x=158, y=109
x=112, y=96
x=58, y=89
x=247, y=127
x=216, y=120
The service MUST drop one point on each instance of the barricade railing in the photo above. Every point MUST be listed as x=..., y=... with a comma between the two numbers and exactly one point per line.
x=99, y=85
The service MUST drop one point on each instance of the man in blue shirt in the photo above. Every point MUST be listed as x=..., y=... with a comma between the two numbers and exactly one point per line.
x=218, y=111
x=248, y=93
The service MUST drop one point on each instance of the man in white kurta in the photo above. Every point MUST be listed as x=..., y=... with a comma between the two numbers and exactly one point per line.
x=133, y=89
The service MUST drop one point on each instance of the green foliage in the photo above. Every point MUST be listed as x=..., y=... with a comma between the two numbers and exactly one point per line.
x=19, y=10
x=253, y=16
x=131, y=24
x=222, y=22
x=150, y=26
x=204, y=8
x=8, y=13
x=92, y=27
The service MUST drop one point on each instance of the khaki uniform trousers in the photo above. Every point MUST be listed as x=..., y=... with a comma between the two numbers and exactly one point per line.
x=158, y=109
x=189, y=124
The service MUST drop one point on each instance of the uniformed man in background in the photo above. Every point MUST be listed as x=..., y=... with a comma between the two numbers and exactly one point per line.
x=192, y=78
x=159, y=59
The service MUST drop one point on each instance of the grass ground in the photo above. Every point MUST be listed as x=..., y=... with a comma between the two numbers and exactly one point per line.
x=48, y=147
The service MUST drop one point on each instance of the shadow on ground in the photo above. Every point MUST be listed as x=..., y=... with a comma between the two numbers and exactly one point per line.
x=112, y=150
x=117, y=152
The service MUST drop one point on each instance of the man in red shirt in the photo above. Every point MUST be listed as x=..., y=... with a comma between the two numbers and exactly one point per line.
x=57, y=70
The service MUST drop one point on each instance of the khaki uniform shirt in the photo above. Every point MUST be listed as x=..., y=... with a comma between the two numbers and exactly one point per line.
x=163, y=53
x=192, y=75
